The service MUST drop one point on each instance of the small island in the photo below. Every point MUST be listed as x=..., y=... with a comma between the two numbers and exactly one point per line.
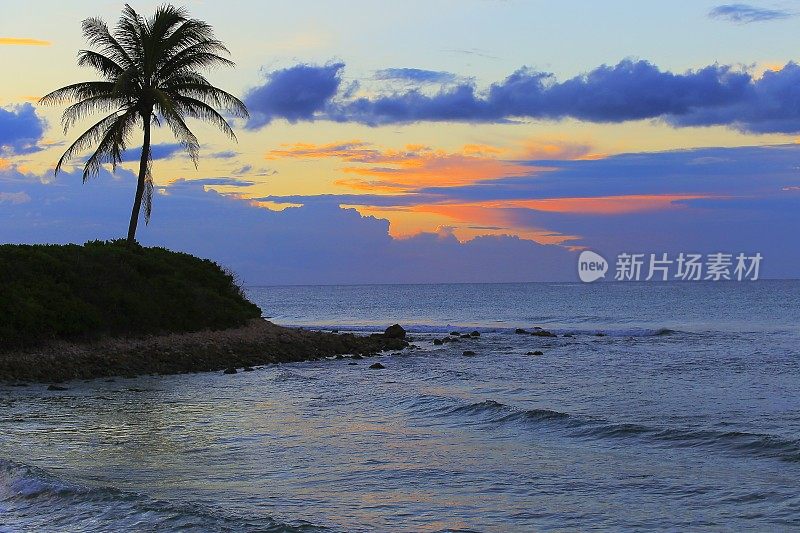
x=114, y=309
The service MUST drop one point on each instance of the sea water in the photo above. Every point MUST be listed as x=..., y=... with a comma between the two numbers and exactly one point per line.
x=682, y=415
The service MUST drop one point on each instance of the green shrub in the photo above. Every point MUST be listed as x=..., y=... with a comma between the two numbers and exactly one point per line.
x=79, y=292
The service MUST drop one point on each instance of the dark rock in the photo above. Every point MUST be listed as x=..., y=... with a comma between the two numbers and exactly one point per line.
x=468, y=352
x=542, y=333
x=536, y=327
x=455, y=333
x=438, y=342
x=351, y=363
x=475, y=334
x=465, y=335
x=356, y=356
x=395, y=331
x=339, y=356
x=56, y=387
x=248, y=369
x=229, y=370
x=334, y=331
x=599, y=334
x=537, y=352
x=570, y=335
x=520, y=331
x=376, y=366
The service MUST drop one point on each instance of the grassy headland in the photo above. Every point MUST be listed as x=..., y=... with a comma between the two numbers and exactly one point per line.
x=71, y=292
x=106, y=308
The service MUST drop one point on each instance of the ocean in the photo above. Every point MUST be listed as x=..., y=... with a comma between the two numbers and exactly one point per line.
x=682, y=415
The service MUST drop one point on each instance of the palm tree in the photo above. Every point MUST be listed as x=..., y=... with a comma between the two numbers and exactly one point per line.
x=150, y=70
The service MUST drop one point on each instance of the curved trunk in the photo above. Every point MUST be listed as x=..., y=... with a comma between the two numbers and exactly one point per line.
x=137, y=202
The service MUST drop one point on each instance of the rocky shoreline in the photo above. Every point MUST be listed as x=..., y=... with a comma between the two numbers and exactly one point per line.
x=259, y=342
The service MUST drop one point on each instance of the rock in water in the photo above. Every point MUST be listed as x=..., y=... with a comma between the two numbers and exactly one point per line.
x=475, y=334
x=56, y=387
x=376, y=366
x=542, y=333
x=454, y=333
x=438, y=342
x=229, y=370
x=520, y=331
x=469, y=353
x=395, y=331
x=537, y=352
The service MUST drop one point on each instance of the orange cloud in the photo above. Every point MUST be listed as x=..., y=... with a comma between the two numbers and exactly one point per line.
x=603, y=205
x=490, y=219
x=467, y=220
x=557, y=150
x=19, y=41
x=414, y=166
x=355, y=150
x=5, y=164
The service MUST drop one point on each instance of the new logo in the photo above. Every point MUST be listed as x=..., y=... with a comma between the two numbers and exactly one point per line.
x=591, y=266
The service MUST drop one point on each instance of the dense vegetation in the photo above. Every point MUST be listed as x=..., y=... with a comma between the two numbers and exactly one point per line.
x=81, y=292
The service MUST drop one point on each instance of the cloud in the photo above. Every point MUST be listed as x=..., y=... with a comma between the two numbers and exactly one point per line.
x=14, y=197
x=294, y=93
x=376, y=168
x=250, y=170
x=157, y=151
x=737, y=199
x=226, y=182
x=741, y=197
x=745, y=13
x=630, y=90
x=416, y=75
x=227, y=154
x=319, y=243
x=21, y=129
x=21, y=41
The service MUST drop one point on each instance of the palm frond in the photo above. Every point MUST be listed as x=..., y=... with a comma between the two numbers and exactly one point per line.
x=111, y=146
x=196, y=109
x=147, y=196
x=107, y=67
x=87, y=139
x=84, y=108
x=210, y=95
x=77, y=91
x=192, y=58
x=96, y=32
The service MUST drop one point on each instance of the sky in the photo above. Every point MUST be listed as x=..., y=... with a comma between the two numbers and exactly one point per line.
x=439, y=140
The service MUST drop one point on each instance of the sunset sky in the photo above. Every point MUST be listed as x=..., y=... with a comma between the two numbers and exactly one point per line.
x=427, y=141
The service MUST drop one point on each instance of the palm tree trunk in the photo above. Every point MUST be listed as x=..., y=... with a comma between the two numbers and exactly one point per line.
x=137, y=202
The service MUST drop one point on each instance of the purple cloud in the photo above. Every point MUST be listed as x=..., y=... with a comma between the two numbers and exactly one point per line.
x=629, y=90
x=294, y=93
x=745, y=13
x=415, y=75
x=20, y=129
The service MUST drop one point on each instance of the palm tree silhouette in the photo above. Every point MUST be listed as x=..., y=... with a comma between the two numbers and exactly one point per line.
x=150, y=70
